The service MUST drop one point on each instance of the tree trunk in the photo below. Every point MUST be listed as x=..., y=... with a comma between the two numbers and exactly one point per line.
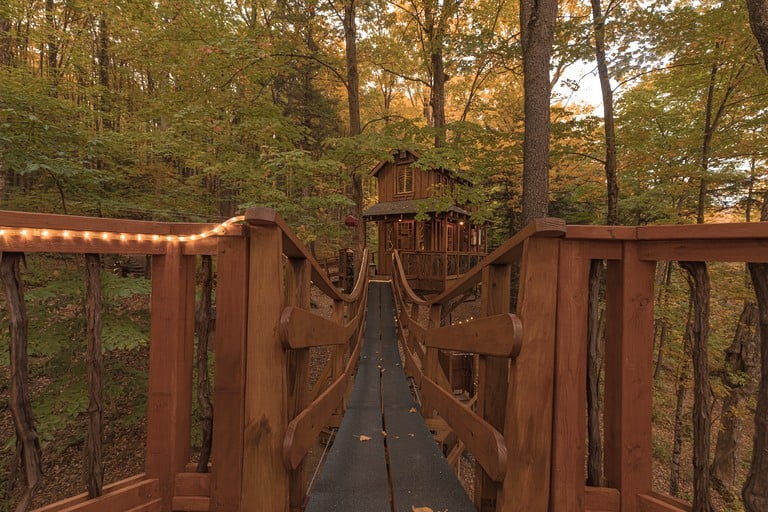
x=758, y=20
x=598, y=25
x=203, y=321
x=682, y=390
x=94, y=469
x=438, y=92
x=755, y=491
x=698, y=280
x=6, y=53
x=353, y=101
x=738, y=379
x=29, y=454
x=662, y=300
x=537, y=22
x=595, y=456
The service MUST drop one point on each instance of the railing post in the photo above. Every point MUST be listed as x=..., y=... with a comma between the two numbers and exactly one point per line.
x=568, y=438
x=432, y=364
x=169, y=402
x=628, y=375
x=492, y=376
x=265, y=483
x=229, y=372
x=297, y=288
x=528, y=421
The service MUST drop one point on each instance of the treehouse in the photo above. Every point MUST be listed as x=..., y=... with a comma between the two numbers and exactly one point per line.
x=433, y=251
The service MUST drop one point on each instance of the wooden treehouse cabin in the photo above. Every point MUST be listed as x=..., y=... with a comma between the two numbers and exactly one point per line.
x=433, y=251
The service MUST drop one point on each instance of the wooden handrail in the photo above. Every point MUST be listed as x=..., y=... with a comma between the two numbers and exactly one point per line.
x=294, y=248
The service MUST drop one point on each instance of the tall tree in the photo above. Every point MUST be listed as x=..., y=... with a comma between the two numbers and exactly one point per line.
x=758, y=20
x=537, y=24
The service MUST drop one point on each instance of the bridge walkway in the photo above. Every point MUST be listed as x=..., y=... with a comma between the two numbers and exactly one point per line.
x=383, y=457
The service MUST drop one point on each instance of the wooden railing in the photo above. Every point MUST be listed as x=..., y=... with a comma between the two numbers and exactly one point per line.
x=265, y=416
x=537, y=400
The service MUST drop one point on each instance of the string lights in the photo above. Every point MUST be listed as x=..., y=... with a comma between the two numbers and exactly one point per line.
x=68, y=234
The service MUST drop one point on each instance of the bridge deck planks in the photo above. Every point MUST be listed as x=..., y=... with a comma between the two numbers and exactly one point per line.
x=355, y=477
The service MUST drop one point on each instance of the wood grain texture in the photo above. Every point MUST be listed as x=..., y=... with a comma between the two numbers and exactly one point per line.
x=493, y=376
x=131, y=496
x=528, y=422
x=570, y=402
x=169, y=404
x=229, y=373
x=191, y=504
x=498, y=335
x=628, y=375
x=705, y=250
x=192, y=484
x=484, y=441
x=301, y=329
x=265, y=478
x=653, y=502
x=601, y=499
x=80, y=498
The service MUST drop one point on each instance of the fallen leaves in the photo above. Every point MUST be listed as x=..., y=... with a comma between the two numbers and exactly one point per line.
x=412, y=409
x=364, y=437
x=414, y=508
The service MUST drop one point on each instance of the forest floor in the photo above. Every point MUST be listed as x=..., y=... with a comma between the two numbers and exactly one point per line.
x=124, y=440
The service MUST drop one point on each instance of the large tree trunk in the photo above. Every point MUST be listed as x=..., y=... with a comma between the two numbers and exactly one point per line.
x=537, y=23
x=681, y=391
x=755, y=491
x=203, y=321
x=758, y=20
x=598, y=25
x=94, y=469
x=19, y=402
x=353, y=101
x=738, y=379
x=698, y=280
x=595, y=455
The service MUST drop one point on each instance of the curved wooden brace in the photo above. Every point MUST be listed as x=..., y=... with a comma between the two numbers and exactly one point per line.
x=301, y=329
x=498, y=335
x=485, y=442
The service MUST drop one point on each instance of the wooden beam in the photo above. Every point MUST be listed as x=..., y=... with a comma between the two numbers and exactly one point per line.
x=112, y=488
x=229, y=372
x=528, y=422
x=724, y=249
x=601, y=499
x=498, y=335
x=301, y=329
x=135, y=495
x=492, y=378
x=192, y=484
x=570, y=402
x=169, y=401
x=654, y=502
x=484, y=441
x=266, y=389
x=628, y=375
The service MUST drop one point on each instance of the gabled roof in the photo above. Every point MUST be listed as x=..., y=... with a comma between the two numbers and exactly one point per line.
x=409, y=207
x=411, y=156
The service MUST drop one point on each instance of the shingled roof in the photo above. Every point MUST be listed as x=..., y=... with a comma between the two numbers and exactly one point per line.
x=408, y=207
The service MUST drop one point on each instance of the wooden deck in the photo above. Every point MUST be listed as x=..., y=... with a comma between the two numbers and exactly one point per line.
x=400, y=466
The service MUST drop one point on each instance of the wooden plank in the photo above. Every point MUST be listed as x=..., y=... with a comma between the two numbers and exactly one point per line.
x=591, y=233
x=304, y=429
x=722, y=231
x=229, y=373
x=58, y=244
x=150, y=506
x=301, y=329
x=80, y=498
x=528, y=422
x=169, y=404
x=100, y=224
x=191, y=504
x=628, y=376
x=705, y=250
x=601, y=499
x=493, y=374
x=193, y=484
x=570, y=402
x=653, y=502
x=498, y=335
x=131, y=496
x=265, y=478
x=484, y=441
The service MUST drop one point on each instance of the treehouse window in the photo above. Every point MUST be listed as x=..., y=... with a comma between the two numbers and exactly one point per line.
x=405, y=236
x=404, y=174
